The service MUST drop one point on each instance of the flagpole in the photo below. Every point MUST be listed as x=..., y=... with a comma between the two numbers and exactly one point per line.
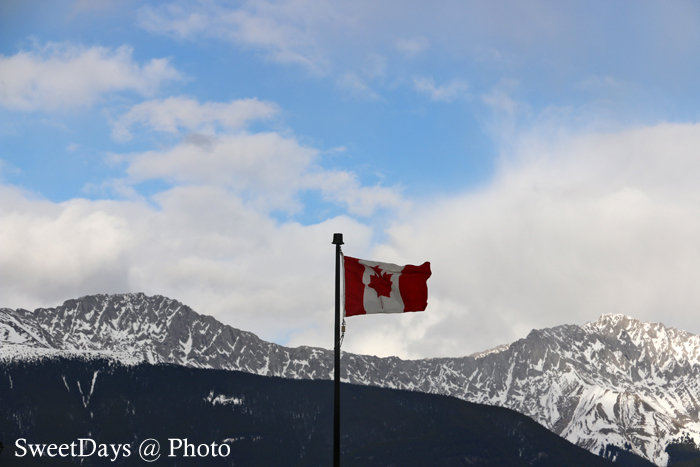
x=337, y=241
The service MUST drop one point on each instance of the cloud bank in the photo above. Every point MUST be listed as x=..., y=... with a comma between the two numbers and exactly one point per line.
x=572, y=226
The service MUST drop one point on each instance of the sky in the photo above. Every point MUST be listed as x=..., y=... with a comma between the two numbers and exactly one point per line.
x=544, y=156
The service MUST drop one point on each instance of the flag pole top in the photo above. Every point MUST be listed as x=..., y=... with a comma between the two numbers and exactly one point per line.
x=337, y=239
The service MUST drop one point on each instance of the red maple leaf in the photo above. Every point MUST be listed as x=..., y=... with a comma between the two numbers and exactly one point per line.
x=381, y=282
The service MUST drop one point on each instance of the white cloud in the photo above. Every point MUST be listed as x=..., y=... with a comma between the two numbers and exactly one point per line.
x=446, y=93
x=65, y=76
x=268, y=169
x=266, y=166
x=572, y=227
x=357, y=87
x=344, y=188
x=545, y=43
x=59, y=249
x=201, y=245
x=414, y=46
x=285, y=32
x=271, y=170
x=174, y=20
x=174, y=114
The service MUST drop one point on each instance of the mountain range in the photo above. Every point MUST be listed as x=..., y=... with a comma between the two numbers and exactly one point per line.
x=610, y=386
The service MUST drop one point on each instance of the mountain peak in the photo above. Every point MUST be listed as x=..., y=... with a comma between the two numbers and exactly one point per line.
x=611, y=321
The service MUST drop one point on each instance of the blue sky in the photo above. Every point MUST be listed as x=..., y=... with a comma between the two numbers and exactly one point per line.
x=541, y=154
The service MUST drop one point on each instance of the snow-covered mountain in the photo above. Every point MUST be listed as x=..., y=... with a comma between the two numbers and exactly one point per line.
x=616, y=382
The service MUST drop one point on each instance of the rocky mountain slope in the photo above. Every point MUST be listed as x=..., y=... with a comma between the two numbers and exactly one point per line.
x=616, y=383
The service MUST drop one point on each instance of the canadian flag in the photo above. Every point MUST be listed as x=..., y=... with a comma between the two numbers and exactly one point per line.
x=373, y=287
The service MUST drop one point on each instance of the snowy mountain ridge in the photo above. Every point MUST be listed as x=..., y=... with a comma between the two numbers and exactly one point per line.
x=616, y=382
